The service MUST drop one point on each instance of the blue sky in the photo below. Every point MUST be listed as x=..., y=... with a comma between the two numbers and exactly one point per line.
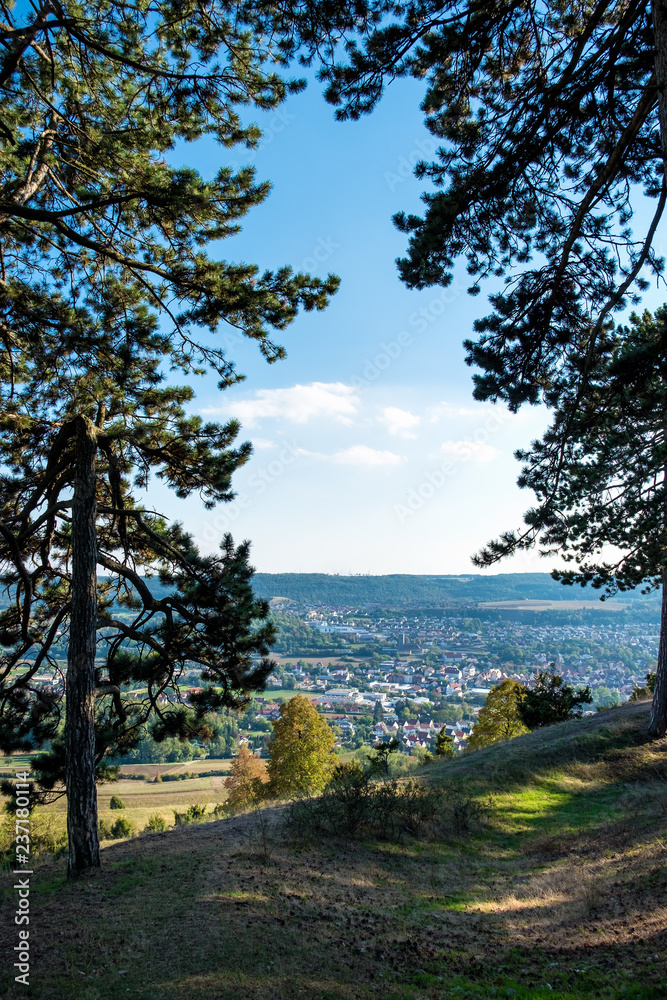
x=370, y=454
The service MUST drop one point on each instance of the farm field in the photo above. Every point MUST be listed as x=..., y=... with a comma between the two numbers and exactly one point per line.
x=143, y=799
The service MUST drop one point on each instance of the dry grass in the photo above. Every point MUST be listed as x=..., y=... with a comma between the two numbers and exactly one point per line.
x=564, y=896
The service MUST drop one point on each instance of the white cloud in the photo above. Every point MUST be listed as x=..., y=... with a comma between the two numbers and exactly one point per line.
x=447, y=411
x=262, y=443
x=399, y=422
x=472, y=451
x=298, y=404
x=361, y=454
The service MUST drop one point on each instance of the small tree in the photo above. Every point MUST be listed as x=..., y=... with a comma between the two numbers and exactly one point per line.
x=246, y=782
x=444, y=745
x=378, y=759
x=551, y=700
x=499, y=719
x=300, y=750
x=378, y=713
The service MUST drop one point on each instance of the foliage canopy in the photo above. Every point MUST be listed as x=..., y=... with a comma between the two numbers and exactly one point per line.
x=499, y=718
x=300, y=750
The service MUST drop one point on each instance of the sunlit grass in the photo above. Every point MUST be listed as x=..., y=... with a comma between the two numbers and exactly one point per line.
x=561, y=895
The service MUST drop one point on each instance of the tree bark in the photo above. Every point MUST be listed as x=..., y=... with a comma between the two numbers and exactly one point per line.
x=82, y=830
x=658, y=724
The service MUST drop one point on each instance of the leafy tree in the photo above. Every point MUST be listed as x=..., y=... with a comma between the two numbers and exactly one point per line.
x=104, y=280
x=246, y=782
x=599, y=476
x=604, y=697
x=300, y=750
x=499, y=719
x=378, y=713
x=444, y=745
x=551, y=700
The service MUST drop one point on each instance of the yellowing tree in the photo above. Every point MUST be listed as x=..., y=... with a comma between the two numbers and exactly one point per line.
x=499, y=719
x=299, y=750
x=245, y=783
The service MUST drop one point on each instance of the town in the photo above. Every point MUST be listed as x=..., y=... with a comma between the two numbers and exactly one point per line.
x=378, y=675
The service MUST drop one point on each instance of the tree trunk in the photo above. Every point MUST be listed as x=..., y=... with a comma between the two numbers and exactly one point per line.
x=658, y=724
x=84, y=849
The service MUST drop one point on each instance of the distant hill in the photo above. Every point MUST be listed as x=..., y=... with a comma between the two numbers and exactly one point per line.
x=404, y=590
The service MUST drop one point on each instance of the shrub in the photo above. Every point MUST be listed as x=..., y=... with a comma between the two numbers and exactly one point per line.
x=45, y=837
x=104, y=830
x=193, y=814
x=156, y=823
x=122, y=828
x=353, y=804
x=646, y=691
x=116, y=803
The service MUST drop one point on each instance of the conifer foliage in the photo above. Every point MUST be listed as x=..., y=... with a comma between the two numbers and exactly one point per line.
x=599, y=475
x=106, y=284
x=552, y=120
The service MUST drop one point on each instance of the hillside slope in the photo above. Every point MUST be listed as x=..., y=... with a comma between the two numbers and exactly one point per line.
x=562, y=894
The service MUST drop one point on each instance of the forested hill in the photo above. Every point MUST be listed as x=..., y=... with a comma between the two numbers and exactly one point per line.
x=402, y=590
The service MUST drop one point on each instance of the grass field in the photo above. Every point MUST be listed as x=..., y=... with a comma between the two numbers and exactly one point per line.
x=561, y=895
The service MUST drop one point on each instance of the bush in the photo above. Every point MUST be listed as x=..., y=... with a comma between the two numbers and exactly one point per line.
x=156, y=824
x=122, y=828
x=353, y=805
x=116, y=803
x=193, y=814
x=45, y=837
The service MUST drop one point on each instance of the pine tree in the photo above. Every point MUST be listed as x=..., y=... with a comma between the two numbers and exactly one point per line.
x=104, y=279
x=300, y=750
x=551, y=700
x=444, y=745
x=600, y=478
x=551, y=122
x=75, y=427
x=499, y=717
x=378, y=713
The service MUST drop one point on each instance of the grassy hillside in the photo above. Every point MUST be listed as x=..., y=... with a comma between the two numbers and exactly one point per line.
x=562, y=894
